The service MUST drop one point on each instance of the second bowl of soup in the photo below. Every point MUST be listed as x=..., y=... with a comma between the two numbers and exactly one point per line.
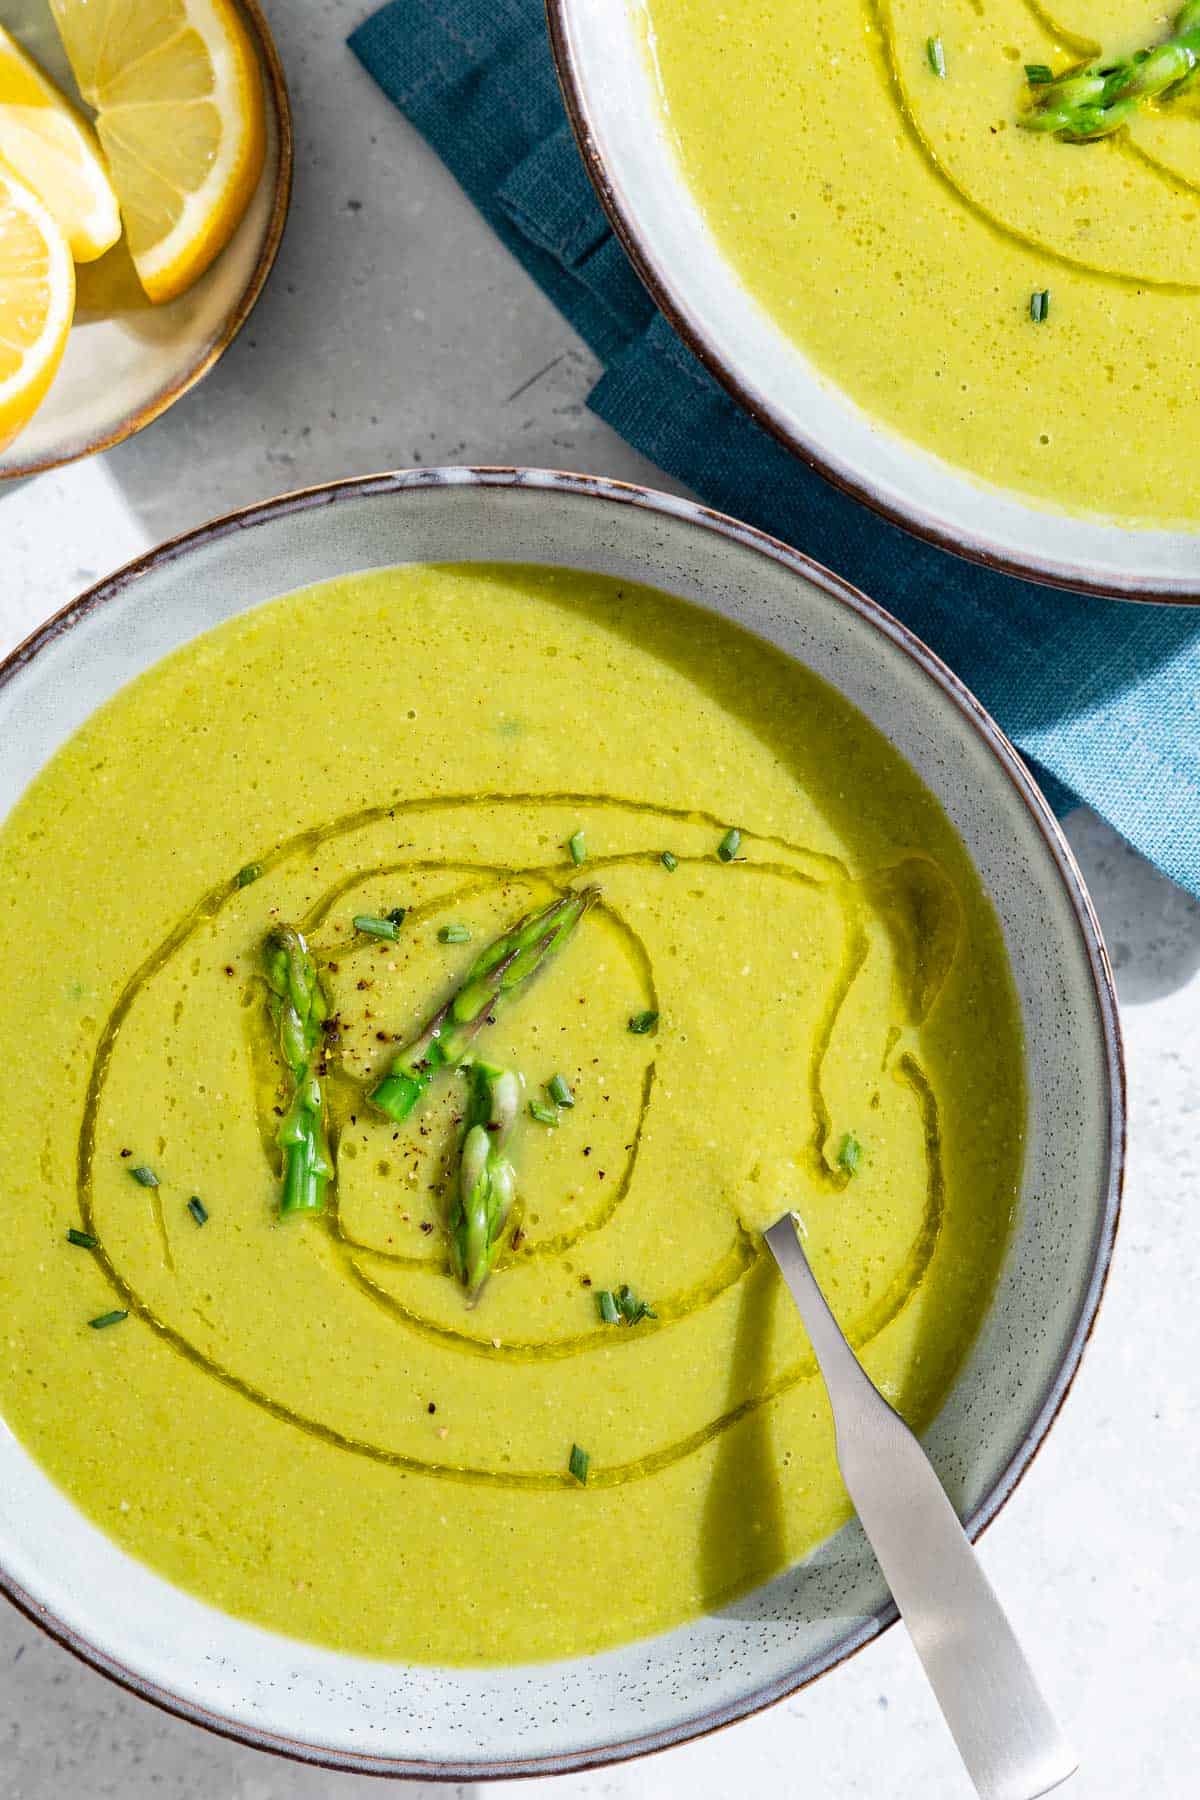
x=969, y=322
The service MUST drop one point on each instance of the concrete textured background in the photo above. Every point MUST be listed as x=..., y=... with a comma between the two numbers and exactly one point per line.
x=395, y=330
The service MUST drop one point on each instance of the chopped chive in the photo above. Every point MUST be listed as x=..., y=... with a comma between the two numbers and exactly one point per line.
x=643, y=1022
x=1039, y=305
x=198, y=1210
x=578, y=1465
x=623, y=1307
x=109, y=1318
x=730, y=844
x=577, y=845
x=850, y=1153
x=144, y=1176
x=545, y=1115
x=1038, y=74
x=371, y=926
x=631, y=1308
x=84, y=1239
x=454, y=934
x=396, y=916
x=249, y=873
x=670, y=861
x=559, y=1092
x=935, y=51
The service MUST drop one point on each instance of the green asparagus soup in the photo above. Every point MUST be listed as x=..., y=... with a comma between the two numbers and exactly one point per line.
x=428, y=986
x=993, y=258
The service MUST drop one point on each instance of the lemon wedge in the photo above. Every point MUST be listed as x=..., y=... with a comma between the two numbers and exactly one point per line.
x=179, y=112
x=37, y=301
x=50, y=148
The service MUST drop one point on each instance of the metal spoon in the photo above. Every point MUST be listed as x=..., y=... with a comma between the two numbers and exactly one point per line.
x=1006, y=1734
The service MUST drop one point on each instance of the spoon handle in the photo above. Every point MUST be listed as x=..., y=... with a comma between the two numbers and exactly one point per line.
x=1005, y=1732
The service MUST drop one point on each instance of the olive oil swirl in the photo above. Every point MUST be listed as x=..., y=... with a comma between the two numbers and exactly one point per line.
x=815, y=870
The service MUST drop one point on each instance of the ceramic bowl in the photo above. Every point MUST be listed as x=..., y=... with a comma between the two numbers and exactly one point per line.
x=609, y=88
x=127, y=361
x=464, y=1724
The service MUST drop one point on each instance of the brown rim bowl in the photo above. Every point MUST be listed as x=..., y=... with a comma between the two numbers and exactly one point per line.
x=609, y=89
x=470, y=1723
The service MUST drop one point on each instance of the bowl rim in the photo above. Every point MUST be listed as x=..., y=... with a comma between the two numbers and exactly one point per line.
x=279, y=103
x=391, y=484
x=671, y=298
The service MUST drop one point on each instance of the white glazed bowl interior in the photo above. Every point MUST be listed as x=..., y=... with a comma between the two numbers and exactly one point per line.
x=418, y=1721
x=611, y=93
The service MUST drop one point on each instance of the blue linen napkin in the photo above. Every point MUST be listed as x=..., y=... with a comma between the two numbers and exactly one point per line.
x=1101, y=696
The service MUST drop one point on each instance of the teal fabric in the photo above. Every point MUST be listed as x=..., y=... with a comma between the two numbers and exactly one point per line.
x=1101, y=697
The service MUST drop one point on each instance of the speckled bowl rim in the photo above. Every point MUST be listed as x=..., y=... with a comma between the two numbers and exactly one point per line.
x=279, y=101
x=670, y=296
x=607, y=492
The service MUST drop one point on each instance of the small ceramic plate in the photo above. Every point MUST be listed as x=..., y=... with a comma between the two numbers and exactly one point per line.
x=609, y=89
x=128, y=361
x=463, y=1724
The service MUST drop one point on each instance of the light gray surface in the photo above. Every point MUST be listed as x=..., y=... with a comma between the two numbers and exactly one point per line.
x=399, y=331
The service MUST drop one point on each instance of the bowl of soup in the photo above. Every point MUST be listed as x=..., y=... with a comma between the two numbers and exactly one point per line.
x=969, y=324
x=450, y=914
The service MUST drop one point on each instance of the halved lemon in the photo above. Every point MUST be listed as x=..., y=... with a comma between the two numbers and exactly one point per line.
x=37, y=301
x=51, y=149
x=179, y=111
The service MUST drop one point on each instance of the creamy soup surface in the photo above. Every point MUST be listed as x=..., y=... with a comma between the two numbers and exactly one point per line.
x=302, y=1419
x=897, y=222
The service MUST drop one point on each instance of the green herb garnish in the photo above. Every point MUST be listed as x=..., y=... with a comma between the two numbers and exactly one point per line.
x=850, y=1153
x=495, y=976
x=643, y=1022
x=143, y=1176
x=1039, y=305
x=670, y=861
x=632, y=1310
x=1094, y=101
x=299, y=1010
x=487, y=1181
x=578, y=1464
x=623, y=1307
x=108, y=1318
x=249, y=874
x=936, y=55
x=83, y=1239
x=730, y=844
x=371, y=926
x=545, y=1115
x=559, y=1092
x=198, y=1210
x=454, y=934
x=577, y=845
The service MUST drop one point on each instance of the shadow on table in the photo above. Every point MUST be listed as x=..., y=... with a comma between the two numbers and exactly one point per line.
x=1152, y=927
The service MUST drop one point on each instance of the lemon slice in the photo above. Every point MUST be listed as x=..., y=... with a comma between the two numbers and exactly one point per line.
x=179, y=104
x=37, y=300
x=46, y=143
